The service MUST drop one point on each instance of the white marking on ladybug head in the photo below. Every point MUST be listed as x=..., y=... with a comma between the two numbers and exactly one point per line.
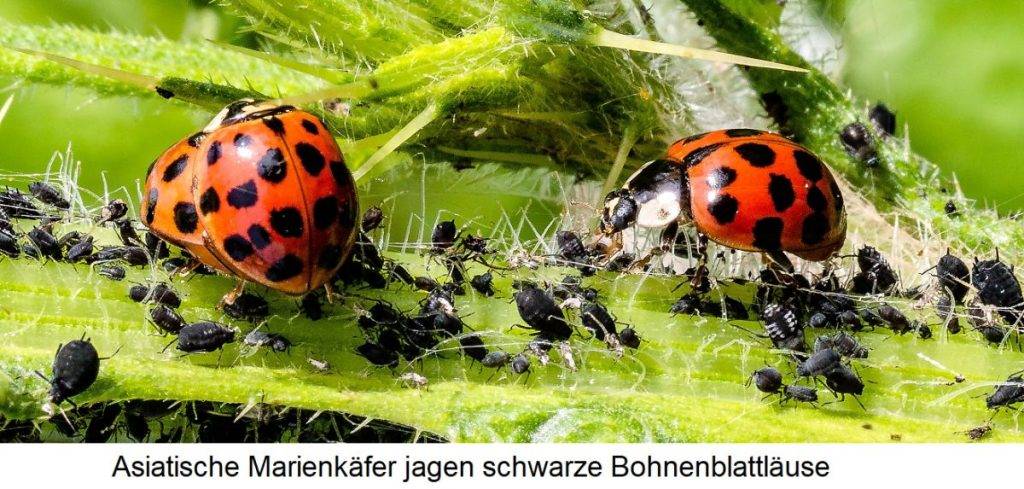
x=660, y=211
x=236, y=111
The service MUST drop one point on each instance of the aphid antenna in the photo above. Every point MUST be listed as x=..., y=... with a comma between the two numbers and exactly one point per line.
x=112, y=355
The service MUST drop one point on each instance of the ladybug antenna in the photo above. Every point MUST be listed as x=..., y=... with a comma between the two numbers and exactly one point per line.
x=607, y=38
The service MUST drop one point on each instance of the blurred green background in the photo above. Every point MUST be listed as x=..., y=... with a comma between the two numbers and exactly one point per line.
x=953, y=70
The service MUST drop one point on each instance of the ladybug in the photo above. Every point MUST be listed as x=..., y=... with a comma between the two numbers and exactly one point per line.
x=262, y=193
x=743, y=188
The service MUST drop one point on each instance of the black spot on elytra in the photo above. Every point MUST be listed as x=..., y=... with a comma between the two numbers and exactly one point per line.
x=815, y=228
x=694, y=137
x=325, y=212
x=768, y=233
x=696, y=156
x=757, y=154
x=213, y=155
x=209, y=201
x=329, y=257
x=287, y=267
x=151, y=204
x=808, y=165
x=242, y=140
x=274, y=124
x=721, y=177
x=723, y=207
x=243, y=195
x=287, y=222
x=175, y=168
x=237, y=247
x=185, y=217
x=816, y=199
x=272, y=166
x=341, y=175
x=347, y=211
x=310, y=126
x=781, y=191
x=312, y=159
x=742, y=133
x=837, y=196
x=258, y=236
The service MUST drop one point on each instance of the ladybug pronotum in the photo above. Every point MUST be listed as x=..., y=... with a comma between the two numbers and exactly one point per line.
x=743, y=188
x=262, y=193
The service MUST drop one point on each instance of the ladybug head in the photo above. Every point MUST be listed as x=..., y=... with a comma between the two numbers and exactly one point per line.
x=620, y=211
x=245, y=109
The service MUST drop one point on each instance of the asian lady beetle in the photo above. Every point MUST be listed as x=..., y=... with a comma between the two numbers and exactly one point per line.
x=746, y=189
x=262, y=193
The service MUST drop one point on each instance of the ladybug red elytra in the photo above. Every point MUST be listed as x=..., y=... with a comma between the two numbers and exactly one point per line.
x=262, y=193
x=746, y=189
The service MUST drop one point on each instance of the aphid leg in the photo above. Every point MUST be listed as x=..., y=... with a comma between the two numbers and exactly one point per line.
x=118, y=350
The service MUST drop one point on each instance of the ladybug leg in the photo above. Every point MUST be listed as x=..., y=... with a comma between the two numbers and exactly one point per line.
x=779, y=258
x=329, y=292
x=230, y=297
x=699, y=279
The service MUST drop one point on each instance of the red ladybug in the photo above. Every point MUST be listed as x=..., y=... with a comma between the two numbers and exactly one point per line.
x=262, y=193
x=746, y=189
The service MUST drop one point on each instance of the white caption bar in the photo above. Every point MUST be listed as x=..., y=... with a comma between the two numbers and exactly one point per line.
x=495, y=466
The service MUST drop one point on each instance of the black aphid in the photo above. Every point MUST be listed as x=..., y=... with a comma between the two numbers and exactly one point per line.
x=18, y=206
x=735, y=309
x=819, y=320
x=843, y=380
x=895, y=319
x=859, y=144
x=402, y=274
x=843, y=343
x=475, y=244
x=978, y=432
x=114, y=210
x=950, y=208
x=312, y=306
x=954, y=276
x=1008, y=393
x=204, y=336
x=520, y=364
x=113, y=272
x=159, y=293
x=156, y=247
x=80, y=250
x=766, y=379
x=473, y=347
x=629, y=338
x=982, y=317
x=247, y=306
x=49, y=195
x=496, y=359
x=851, y=320
x=570, y=247
x=275, y=341
x=876, y=275
x=483, y=284
x=598, y=320
x=798, y=393
x=167, y=319
x=819, y=363
x=783, y=328
x=44, y=241
x=372, y=219
x=103, y=424
x=443, y=236
x=923, y=330
x=126, y=231
x=883, y=118
x=997, y=286
x=688, y=304
x=377, y=354
x=540, y=312
x=9, y=244
x=425, y=283
x=75, y=368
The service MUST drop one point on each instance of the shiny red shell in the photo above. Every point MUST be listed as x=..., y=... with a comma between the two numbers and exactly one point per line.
x=758, y=191
x=267, y=199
